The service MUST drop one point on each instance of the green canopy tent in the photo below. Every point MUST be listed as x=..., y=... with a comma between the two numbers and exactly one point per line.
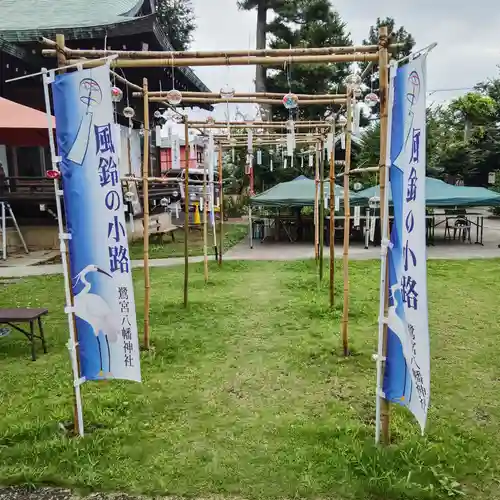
x=297, y=193
x=440, y=194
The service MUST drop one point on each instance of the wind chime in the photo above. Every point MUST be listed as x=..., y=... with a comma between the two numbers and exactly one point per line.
x=227, y=93
x=249, y=162
x=259, y=152
x=290, y=102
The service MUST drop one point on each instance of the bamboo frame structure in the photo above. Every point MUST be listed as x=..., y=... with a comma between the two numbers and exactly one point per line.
x=145, y=194
x=384, y=217
x=136, y=54
x=347, y=223
x=274, y=58
x=186, y=212
x=332, y=221
x=164, y=62
x=221, y=207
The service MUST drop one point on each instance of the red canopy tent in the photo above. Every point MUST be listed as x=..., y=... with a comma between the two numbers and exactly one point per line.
x=22, y=126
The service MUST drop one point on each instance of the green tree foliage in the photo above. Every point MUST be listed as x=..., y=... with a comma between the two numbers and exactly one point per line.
x=307, y=23
x=399, y=35
x=451, y=154
x=177, y=18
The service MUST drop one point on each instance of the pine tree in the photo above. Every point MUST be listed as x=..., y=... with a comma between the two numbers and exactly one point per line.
x=307, y=23
x=177, y=18
x=397, y=36
x=262, y=7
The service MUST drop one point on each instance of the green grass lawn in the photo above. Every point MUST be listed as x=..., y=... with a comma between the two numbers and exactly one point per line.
x=233, y=233
x=246, y=394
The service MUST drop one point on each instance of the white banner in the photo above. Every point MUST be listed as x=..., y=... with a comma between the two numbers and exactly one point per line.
x=407, y=372
x=101, y=271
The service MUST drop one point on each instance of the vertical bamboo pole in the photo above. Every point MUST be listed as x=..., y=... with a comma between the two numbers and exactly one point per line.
x=332, y=221
x=186, y=209
x=347, y=223
x=60, y=50
x=384, y=217
x=145, y=195
x=77, y=425
x=321, y=208
x=316, y=216
x=205, y=228
x=221, y=208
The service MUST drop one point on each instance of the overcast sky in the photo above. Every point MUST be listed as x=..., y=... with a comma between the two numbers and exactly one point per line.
x=466, y=32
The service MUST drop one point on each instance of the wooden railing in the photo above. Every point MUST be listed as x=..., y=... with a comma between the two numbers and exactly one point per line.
x=27, y=187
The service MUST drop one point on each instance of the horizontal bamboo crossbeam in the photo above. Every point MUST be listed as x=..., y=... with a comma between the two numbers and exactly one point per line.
x=359, y=171
x=264, y=143
x=149, y=54
x=258, y=95
x=242, y=100
x=266, y=126
x=257, y=124
x=126, y=82
x=229, y=61
x=261, y=140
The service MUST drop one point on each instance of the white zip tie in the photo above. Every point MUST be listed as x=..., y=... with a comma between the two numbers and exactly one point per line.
x=79, y=381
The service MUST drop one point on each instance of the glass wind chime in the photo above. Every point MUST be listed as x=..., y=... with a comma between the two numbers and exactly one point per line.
x=290, y=102
x=249, y=161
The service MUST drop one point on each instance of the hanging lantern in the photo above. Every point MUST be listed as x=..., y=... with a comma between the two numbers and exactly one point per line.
x=116, y=94
x=128, y=112
x=227, y=92
x=290, y=101
x=353, y=80
x=174, y=97
x=371, y=99
x=342, y=121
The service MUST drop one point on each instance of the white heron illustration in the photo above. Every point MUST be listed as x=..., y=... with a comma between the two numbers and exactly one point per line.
x=400, y=328
x=93, y=309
